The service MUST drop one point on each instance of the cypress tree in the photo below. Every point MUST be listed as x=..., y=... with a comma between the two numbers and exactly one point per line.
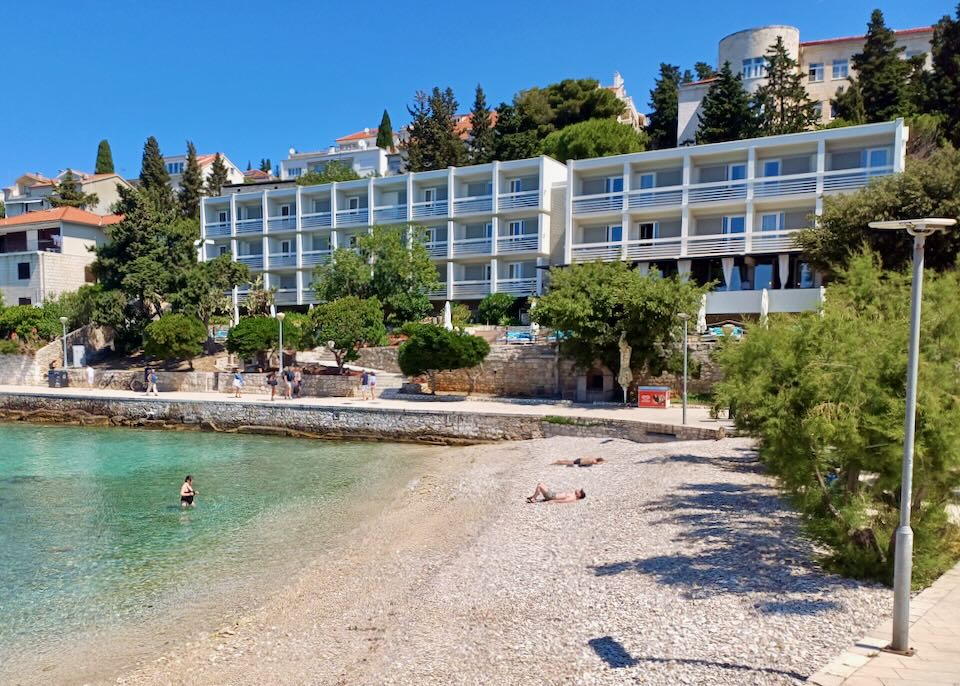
x=945, y=53
x=481, y=146
x=153, y=173
x=882, y=73
x=265, y=165
x=69, y=194
x=104, y=159
x=249, y=165
x=726, y=115
x=663, y=105
x=782, y=104
x=191, y=185
x=218, y=176
x=385, y=132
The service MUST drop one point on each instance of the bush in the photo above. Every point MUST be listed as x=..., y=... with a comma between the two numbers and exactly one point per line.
x=348, y=323
x=432, y=349
x=175, y=337
x=593, y=138
x=460, y=315
x=38, y=325
x=253, y=338
x=495, y=309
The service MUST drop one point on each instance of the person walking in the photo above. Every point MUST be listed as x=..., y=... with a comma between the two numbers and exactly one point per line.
x=272, y=383
x=297, y=382
x=237, y=382
x=287, y=383
x=91, y=376
x=152, y=379
x=364, y=384
x=372, y=384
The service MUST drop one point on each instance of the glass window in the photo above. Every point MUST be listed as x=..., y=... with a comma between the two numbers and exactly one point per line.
x=737, y=172
x=649, y=231
x=648, y=180
x=516, y=185
x=23, y=271
x=771, y=168
x=284, y=210
x=222, y=217
x=833, y=110
x=515, y=270
x=614, y=234
x=515, y=228
x=877, y=157
x=223, y=250
x=734, y=224
x=806, y=276
x=294, y=172
x=754, y=67
x=285, y=247
x=762, y=277
x=841, y=68
x=772, y=222
x=354, y=203
x=614, y=184
x=815, y=72
x=489, y=230
x=818, y=109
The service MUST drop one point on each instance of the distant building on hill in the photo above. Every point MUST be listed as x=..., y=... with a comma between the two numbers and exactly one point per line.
x=176, y=164
x=31, y=192
x=357, y=150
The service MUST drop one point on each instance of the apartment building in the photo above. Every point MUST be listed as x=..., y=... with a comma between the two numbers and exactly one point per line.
x=176, y=164
x=31, y=192
x=825, y=63
x=488, y=228
x=357, y=150
x=45, y=253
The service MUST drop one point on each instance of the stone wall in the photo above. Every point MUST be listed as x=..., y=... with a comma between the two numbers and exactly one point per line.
x=213, y=382
x=18, y=370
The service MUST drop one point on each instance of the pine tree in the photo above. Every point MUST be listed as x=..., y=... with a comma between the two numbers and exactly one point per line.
x=153, y=172
x=385, y=132
x=726, y=115
x=704, y=71
x=945, y=52
x=481, y=145
x=70, y=194
x=450, y=150
x=249, y=165
x=417, y=142
x=881, y=72
x=782, y=104
x=218, y=176
x=848, y=104
x=663, y=104
x=265, y=165
x=104, y=159
x=191, y=185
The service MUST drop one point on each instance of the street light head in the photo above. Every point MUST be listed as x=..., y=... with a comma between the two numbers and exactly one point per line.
x=915, y=227
x=281, y=315
x=683, y=316
x=64, y=320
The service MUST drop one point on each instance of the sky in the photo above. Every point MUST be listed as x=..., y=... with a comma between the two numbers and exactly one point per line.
x=255, y=78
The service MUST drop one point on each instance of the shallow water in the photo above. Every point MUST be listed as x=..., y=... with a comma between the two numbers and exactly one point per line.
x=92, y=536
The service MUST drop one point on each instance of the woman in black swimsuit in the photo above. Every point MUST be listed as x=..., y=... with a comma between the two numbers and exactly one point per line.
x=187, y=493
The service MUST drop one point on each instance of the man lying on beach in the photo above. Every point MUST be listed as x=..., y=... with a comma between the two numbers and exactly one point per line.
x=580, y=462
x=551, y=496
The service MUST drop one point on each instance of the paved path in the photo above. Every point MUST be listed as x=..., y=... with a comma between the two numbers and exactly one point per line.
x=696, y=416
x=934, y=633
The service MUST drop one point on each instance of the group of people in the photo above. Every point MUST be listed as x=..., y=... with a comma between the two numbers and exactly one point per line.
x=292, y=380
x=544, y=494
x=368, y=384
x=150, y=379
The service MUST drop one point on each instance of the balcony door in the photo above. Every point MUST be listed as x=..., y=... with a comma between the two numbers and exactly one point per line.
x=736, y=172
x=514, y=270
x=613, y=184
x=772, y=222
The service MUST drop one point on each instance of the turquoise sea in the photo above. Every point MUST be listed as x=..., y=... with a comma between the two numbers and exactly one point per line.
x=92, y=536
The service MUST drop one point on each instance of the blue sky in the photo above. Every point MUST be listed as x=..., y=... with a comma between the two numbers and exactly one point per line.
x=255, y=78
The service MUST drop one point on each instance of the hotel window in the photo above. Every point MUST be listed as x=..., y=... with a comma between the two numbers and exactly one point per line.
x=771, y=168
x=353, y=203
x=841, y=69
x=24, y=301
x=489, y=230
x=515, y=229
x=515, y=270
x=772, y=222
x=815, y=73
x=285, y=248
x=833, y=110
x=649, y=231
x=648, y=180
x=736, y=172
x=614, y=234
x=294, y=172
x=614, y=184
x=735, y=224
x=23, y=271
x=174, y=167
x=223, y=217
x=285, y=210
x=754, y=67
x=516, y=185
x=818, y=109
x=223, y=249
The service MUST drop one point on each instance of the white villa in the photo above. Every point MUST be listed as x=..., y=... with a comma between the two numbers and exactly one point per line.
x=176, y=164
x=31, y=192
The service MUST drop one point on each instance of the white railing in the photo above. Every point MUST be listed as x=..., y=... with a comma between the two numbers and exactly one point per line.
x=241, y=295
x=794, y=184
x=250, y=225
x=218, y=229
x=470, y=289
x=476, y=204
x=472, y=246
x=517, y=286
x=591, y=252
x=281, y=223
x=430, y=208
x=520, y=200
x=603, y=202
x=773, y=241
x=438, y=249
x=713, y=192
x=522, y=243
x=438, y=293
x=352, y=217
x=390, y=213
x=252, y=261
x=282, y=259
x=716, y=244
x=734, y=302
x=285, y=296
x=315, y=219
x=653, y=248
x=847, y=179
x=311, y=257
x=654, y=197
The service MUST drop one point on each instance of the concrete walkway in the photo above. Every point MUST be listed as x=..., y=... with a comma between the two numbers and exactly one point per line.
x=934, y=634
x=696, y=416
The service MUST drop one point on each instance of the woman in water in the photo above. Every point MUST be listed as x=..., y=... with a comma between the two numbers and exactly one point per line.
x=187, y=493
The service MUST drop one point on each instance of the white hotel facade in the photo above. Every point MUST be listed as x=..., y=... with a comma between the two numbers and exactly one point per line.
x=724, y=212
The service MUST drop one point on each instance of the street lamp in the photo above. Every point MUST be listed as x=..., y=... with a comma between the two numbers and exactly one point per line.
x=903, y=562
x=63, y=323
x=280, y=316
x=685, y=318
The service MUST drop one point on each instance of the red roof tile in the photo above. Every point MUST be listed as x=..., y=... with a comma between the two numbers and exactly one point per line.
x=359, y=135
x=846, y=39
x=700, y=82
x=62, y=214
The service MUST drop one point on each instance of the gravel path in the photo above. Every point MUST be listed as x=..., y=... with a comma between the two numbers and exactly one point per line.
x=682, y=566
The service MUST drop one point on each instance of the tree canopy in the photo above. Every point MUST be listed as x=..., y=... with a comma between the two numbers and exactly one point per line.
x=496, y=308
x=153, y=172
x=945, y=54
x=727, y=114
x=781, y=104
x=253, y=338
x=432, y=140
x=385, y=132
x=332, y=171
x=69, y=193
x=174, y=337
x=881, y=72
x=593, y=138
x=664, y=98
x=191, y=185
x=104, y=164
x=349, y=323
x=218, y=176
x=432, y=349
x=480, y=146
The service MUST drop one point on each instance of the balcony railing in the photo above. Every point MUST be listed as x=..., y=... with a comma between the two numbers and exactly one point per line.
x=250, y=225
x=313, y=257
x=477, y=204
x=315, y=220
x=598, y=204
x=654, y=197
x=795, y=184
x=430, y=208
x=472, y=246
x=354, y=217
x=591, y=252
x=654, y=248
x=390, y=213
x=282, y=260
x=438, y=293
x=437, y=249
x=516, y=201
x=847, y=179
x=218, y=229
x=517, y=286
x=471, y=289
x=241, y=295
x=719, y=191
x=285, y=296
x=522, y=243
x=252, y=261
x=281, y=223
x=716, y=244
x=773, y=241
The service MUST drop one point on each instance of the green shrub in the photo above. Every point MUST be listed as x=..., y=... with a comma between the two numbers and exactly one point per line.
x=175, y=337
x=495, y=309
x=432, y=349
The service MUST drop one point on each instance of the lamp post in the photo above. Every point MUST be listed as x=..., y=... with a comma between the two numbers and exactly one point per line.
x=280, y=316
x=903, y=561
x=63, y=323
x=685, y=318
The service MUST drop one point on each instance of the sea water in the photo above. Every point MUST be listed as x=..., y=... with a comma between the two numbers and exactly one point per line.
x=92, y=535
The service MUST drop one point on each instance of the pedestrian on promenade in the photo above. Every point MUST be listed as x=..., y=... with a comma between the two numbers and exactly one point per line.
x=549, y=495
x=237, y=382
x=364, y=384
x=297, y=382
x=372, y=384
x=152, y=385
x=272, y=383
x=91, y=376
x=287, y=383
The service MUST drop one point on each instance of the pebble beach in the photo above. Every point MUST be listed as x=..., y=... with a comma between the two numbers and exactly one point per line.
x=682, y=566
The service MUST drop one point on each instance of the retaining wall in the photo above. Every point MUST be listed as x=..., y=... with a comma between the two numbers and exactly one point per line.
x=319, y=386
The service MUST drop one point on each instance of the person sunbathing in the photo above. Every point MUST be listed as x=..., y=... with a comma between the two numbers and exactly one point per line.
x=548, y=495
x=580, y=462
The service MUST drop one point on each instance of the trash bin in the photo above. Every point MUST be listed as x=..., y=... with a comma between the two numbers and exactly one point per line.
x=57, y=378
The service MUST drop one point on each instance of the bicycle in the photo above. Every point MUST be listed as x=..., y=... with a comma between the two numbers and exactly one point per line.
x=137, y=386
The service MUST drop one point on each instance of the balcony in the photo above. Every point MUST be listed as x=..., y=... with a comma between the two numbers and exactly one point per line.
x=602, y=203
x=518, y=201
x=282, y=260
x=242, y=295
x=217, y=229
x=477, y=204
x=430, y=208
x=252, y=261
x=591, y=252
x=527, y=242
x=281, y=223
x=438, y=293
x=472, y=246
x=437, y=249
x=285, y=296
x=720, y=191
x=653, y=249
x=517, y=286
x=355, y=217
x=388, y=214
x=795, y=184
x=851, y=179
x=470, y=290
x=250, y=225
x=654, y=197
x=716, y=244
x=751, y=302
x=773, y=241
x=315, y=220
x=314, y=257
